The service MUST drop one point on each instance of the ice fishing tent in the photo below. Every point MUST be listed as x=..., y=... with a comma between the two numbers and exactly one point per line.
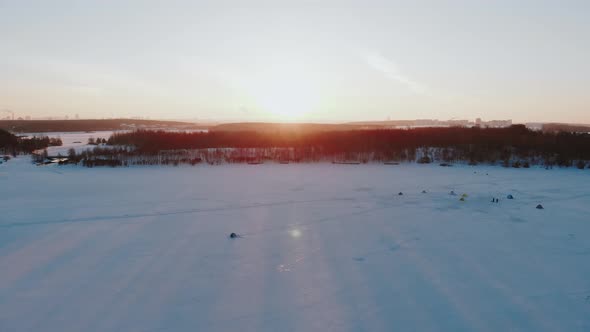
x=510, y=196
x=400, y=193
x=540, y=207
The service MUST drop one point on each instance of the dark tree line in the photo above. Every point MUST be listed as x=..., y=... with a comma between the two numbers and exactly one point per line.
x=39, y=126
x=515, y=147
x=12, y=144
x=97, y=141
x=8, y=141
x=557, y=127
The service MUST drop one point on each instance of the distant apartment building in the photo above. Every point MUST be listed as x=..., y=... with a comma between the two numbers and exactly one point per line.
x=498, y=123
x=458, y=123
x=492, y=123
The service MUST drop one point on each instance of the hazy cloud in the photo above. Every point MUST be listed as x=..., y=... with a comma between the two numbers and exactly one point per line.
x=390, y=69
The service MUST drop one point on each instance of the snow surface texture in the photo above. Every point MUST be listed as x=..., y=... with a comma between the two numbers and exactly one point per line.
x=323, y=248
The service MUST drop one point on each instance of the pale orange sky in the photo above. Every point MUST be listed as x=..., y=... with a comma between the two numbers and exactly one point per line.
x=329, y=61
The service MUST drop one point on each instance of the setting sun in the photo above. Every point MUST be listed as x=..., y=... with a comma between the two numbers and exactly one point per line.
x=286, y=92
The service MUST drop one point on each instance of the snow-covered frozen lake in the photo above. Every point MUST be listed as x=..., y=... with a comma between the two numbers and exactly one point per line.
x=72, y=140
x=324, y=248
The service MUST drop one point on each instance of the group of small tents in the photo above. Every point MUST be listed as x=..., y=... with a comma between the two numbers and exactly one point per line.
x=495, y=199
x=464, y=197
x=452, y=193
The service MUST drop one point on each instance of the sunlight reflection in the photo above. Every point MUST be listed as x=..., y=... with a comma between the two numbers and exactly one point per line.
x=295, y=233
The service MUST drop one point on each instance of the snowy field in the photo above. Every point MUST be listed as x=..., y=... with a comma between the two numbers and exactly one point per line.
x=323, y=248
x=76, y=140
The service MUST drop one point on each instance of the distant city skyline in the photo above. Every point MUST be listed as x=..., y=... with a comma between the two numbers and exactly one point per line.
x=326, y=61
x=418, y=122
x=479, y=122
